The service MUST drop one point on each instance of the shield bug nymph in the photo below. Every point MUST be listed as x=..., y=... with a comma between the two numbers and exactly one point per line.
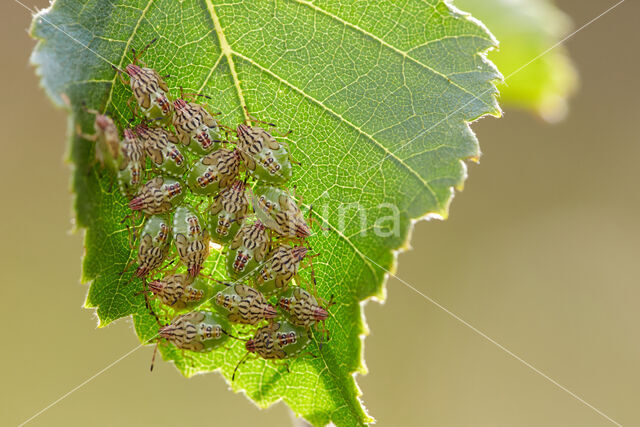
x=265, y=158
x=161, y=147
x=180, y=291
x=247, y=250
x=149, y=89
x=280, y=267
x=214, y=171
x=228, y=212
x=199, y=331
x=159, y=195
x=279, y=212
x=131, y=166
x=303, y=308
x=154, y=244
x=242, y=303
x=195, y=126
x=191, y=238
x=106, y=138
x=278, y=340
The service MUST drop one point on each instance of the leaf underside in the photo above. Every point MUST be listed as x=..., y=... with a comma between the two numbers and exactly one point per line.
x=378, y=97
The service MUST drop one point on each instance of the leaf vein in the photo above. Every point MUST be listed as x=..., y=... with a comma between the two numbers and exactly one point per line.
x=346, y=239
x=124, y=54
x=213, y=68
x=227, y=52
x=392, y=47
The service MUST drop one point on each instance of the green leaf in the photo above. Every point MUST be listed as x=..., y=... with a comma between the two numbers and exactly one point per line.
x=527, y=29
x=379, y=98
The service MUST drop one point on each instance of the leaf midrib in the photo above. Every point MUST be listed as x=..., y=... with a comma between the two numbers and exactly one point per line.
x=228, y=53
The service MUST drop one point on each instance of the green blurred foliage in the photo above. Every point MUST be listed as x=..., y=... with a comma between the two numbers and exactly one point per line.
x=526, y=29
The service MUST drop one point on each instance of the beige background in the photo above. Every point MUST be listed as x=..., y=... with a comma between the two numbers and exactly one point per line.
x=540, y=252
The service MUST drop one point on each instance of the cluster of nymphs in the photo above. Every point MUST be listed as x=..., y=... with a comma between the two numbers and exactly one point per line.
x=176, y=148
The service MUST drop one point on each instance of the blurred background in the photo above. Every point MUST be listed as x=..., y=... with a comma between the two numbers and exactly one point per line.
x=540, y=252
